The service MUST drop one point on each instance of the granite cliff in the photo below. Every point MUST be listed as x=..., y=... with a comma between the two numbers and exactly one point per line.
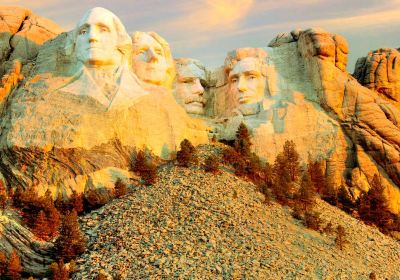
x=71, y=115
x=59, y=127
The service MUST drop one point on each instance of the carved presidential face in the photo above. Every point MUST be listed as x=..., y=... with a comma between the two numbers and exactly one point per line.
x=149, y=60
x=190, y=86
x=97, y=39
x=247, y=84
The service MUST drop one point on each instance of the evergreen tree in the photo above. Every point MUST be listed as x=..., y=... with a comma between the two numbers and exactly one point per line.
x=41, y=226
x=292, y=160
x=149, y=173
x=14, y=266
x=61, y=205
x=317, y=176
x=71, y=241
x=59, y=271
x=120, y=188
x=230, y=156
x=52, y=214
x=268, y=174
x=312, y=220
x=329, y=194
x=242, y=142
x=76, y=202
x=17, y=197
x=345, y=200
x=211, y=164
x=306, y=194
x=186, y=155
x=3, y=195
x=340, y=240
x=373, y=206
x=282, y=181
x=139, y=162
x=3, y=263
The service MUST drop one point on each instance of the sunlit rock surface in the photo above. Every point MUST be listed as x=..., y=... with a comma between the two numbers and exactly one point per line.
x=35, y=255
x=81, y=113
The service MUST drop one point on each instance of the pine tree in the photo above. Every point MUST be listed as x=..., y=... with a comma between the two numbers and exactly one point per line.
x=340, y=240
x=242, y=142
x=59, y=270
x=18, y=197
x=120, y=188
x=267, y=174
x=52, y=214
x=211, y=164
x=345, y=200
x=186, y=155
x=306, y=194
x=61, y=205
x=329, y=194
x=71, y=241
x=312, y=220
x=373, y=206
x=292, y=159
x=281, y=179
x=317, y=176
x=14, y=266
x=3, y=195
x=149, y=173
x=41, y=227
x=3, y=264
x=76, y=201
x=139, y=162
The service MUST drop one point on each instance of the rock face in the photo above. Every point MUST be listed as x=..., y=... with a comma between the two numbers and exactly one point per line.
x=21, y=35
x=322, y=108
x=34, y=254
x=380, y=71
x=79, y=114
x=74, y=117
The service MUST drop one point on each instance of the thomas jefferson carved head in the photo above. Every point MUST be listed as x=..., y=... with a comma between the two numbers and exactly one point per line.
x=101, y=39
x=246, y=72
x=190, y=85
x=151, y=59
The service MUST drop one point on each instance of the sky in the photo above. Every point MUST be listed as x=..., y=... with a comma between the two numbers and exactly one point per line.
x=208, y=29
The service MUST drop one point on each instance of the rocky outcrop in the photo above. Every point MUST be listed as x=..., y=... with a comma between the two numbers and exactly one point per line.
x=324, y=110
x=380, y=71
x=368, y=120
x=21, y=35
x=35, y=255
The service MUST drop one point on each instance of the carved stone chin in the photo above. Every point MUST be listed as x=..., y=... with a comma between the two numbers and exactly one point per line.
x=190, y=83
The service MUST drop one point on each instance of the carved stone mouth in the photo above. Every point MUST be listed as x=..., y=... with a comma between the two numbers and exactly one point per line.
x=195, y=103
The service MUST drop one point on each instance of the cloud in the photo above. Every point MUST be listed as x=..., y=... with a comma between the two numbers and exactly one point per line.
x=368, y=20
x=209, y=16
x=31, y=4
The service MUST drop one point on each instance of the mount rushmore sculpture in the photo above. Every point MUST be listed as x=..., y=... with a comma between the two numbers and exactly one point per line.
x=93, y=94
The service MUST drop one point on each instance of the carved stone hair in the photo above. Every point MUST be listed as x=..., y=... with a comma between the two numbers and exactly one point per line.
x=181, y=62
x=235, y=56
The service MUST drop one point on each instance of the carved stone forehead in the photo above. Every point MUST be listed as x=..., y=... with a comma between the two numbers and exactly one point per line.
x=146, y=39
x=248, y=64
x=190, y=69
x=99, y=15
